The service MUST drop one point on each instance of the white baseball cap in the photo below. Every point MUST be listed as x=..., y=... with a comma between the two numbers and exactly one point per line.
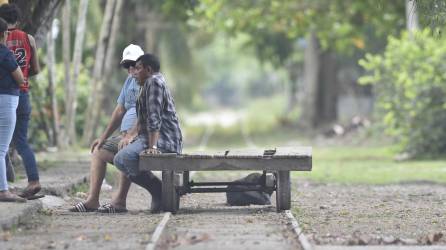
x=131, y=53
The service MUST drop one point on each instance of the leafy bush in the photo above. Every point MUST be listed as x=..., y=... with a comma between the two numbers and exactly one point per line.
x=410, y=85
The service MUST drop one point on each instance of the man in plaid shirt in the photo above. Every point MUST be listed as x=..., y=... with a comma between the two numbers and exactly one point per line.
x=157, y=130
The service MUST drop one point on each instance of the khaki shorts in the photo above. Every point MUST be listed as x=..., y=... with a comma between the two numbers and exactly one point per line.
x=111, y=144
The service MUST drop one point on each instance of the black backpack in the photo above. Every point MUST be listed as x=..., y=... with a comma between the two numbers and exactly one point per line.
x=246, y=198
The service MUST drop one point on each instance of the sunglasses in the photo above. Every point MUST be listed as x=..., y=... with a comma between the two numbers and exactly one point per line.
x=128, y=64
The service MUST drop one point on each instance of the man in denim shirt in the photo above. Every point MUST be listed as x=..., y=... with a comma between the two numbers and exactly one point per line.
x=105, y=147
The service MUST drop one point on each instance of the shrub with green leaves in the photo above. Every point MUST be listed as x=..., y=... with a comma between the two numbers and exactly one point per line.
x=409, y=81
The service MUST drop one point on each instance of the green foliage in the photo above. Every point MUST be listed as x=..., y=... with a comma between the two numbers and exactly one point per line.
x=409, y=81
x=432, y=13
x=41, y=117
x=370, y=165
x=80, y=188
x=339, y=24
x=249, y=125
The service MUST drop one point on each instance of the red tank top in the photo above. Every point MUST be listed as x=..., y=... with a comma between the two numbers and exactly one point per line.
x=18, y=43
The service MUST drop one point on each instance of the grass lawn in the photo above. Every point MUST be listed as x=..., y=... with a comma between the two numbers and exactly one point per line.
x=370, y=165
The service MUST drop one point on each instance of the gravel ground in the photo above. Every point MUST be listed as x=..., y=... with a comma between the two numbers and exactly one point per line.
x=406, y=214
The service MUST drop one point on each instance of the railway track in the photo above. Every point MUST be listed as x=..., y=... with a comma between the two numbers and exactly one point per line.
x=208, y=224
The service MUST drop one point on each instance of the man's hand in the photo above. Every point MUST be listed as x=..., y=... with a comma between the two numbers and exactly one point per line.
x=126, y=140
x=96, y=144
x=152, y=151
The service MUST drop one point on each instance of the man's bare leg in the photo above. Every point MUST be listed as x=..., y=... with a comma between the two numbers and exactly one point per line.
x=119, y=199
x=97, y=173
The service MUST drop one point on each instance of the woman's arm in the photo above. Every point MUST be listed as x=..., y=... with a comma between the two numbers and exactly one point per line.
x=18, y=76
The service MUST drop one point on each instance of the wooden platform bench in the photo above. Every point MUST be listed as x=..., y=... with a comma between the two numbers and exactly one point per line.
x=276, y=165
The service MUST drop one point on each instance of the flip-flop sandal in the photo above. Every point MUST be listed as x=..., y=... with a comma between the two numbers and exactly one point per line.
x=108, y=208
x=81, y=208
x=26, y=193
x=13, y=198
x=35, y=197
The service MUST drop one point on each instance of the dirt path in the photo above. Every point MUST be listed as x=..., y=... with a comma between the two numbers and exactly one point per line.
x=59, y=229
x=406, y=214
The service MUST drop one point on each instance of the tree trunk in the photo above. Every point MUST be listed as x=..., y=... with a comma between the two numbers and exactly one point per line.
x=110, y=63
x=411, y=16
x=147, y=23
x=311, y=82
x=51, y=63
x=141, y=11
x=77, y=59
x=151, y=31
x=293, y=72
x=328, y=89
x=66, y=47
x=98, y=80
x=110, y=59
x=320, y=86
x=37, y=16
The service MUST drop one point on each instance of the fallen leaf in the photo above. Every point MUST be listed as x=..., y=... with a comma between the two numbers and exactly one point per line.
x=107, y=237
x=195, y=239
x=389, y=239
x=81, y=195
x=364, y=240
x=6, y=236
x=81, y=237
x=408, y=241
x=51, y=245
x=434, y=237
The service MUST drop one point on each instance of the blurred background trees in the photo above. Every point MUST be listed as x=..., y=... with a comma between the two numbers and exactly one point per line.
x=242, y=70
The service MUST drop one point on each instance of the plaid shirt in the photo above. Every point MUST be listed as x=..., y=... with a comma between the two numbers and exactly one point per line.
x=155, y=109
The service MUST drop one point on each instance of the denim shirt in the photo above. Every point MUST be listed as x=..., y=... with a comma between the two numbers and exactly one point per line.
x=127, y=98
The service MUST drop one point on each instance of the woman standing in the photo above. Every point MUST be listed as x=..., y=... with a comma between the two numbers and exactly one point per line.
x=23, y=46
x=11, y=78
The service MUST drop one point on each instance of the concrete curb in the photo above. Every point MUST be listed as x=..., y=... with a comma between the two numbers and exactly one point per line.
x=13, y=214
x=62, y=190
x=18, y=213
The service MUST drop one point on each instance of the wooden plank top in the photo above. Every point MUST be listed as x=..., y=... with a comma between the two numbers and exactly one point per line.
x=277, y=153
x=278, y=159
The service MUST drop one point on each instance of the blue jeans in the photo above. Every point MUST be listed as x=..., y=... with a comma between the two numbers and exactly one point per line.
x=20, y=138
x=8, y=106
x=127, y=159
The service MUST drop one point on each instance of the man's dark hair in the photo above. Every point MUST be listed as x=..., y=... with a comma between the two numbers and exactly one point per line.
x=3, y=25
x=150, y=60
x=10, y=12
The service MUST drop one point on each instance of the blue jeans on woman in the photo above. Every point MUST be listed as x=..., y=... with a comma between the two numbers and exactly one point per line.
x=8, y=106
x=20, y=138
